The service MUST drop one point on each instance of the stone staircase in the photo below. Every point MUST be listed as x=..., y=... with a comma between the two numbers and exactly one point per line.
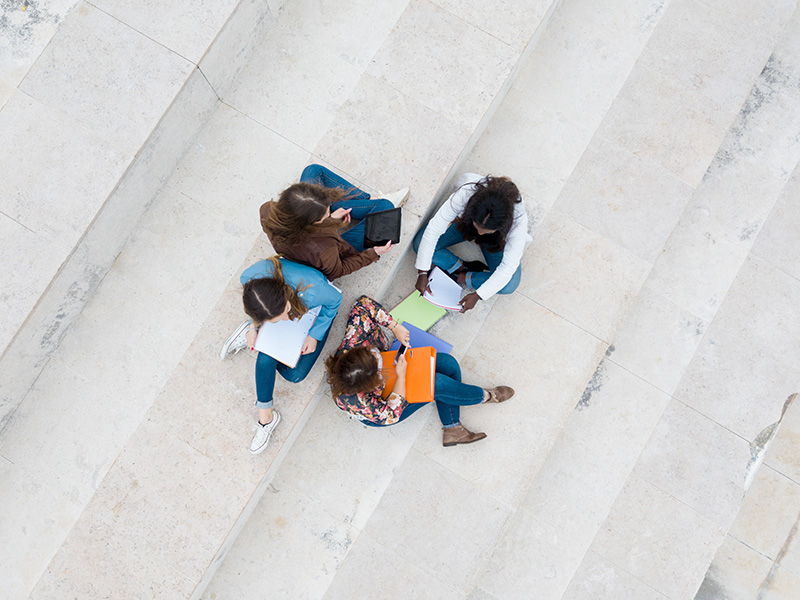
x=655, y=144
x=99, y=101
x=134, y=472
x=659, y=297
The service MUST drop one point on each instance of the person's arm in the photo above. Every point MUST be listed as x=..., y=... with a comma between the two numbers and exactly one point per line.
x=309, y=345
x=447, y=213
x=400, y=368
x=363, y=324
x=358, y=328
x=342, y=259
x=374, y=311
x=381, y=316
x=438, y=224
x=328, y=298
x=512, y=256
x=400, y=333
x=372, y=407
x=252, y=334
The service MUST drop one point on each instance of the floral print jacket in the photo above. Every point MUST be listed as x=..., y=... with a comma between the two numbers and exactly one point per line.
x=363, y=327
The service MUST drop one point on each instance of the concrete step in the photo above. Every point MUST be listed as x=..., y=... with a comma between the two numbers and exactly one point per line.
x=101, y=101
x=759, y=556
x=146, y=470
x=653, y=337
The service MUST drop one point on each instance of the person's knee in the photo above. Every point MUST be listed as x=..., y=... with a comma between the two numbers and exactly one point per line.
x=448, y=365
x=311, y=172
x=512, y=285
x=384, y=204
x=295, y=377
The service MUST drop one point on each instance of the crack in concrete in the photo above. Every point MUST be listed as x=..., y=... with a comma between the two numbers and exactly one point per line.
x=758, y=447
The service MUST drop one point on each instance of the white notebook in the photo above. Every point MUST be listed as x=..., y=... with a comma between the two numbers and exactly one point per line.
x=283, y=340
x=443, y=291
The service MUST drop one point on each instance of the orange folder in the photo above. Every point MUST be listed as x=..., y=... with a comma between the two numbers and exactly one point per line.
x=420, y=373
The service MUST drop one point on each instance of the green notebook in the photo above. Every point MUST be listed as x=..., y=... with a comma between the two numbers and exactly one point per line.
x=417, y=311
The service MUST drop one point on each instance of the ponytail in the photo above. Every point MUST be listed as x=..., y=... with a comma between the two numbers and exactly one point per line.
x=265, y=298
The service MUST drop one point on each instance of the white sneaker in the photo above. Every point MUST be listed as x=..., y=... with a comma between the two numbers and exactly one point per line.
x=399, y=197
x=237, y=341
x=263, y=432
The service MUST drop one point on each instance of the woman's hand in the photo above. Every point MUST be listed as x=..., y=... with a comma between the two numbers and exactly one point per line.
x=469, y=301
x=422, y=282
x=250, y=337
x=341, y=214
x=402, y=334
x=383, y=249
x=400, y=367
x=309, y=345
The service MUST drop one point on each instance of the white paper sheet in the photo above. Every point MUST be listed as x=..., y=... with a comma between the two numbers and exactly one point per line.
x=443, y=291
x=283, y=340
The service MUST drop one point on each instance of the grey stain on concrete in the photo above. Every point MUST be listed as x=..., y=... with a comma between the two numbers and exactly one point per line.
x=71, y=304
x=723, y=158
x=773, y=72
x=761, y=95
x=712, y=588
x=766, y=585
x=696, y=325
x=654, y=14
x=779, y=75
x=595, y=385
x=748, y=231
x=19, y=21
x=334, y=544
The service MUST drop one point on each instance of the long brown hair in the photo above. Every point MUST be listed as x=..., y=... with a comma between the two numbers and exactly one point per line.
x=492, y=207
x=295, y=215
x=353, y=371
x=265, y=298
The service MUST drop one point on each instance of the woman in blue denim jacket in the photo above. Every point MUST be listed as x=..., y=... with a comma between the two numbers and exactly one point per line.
x=275, y=290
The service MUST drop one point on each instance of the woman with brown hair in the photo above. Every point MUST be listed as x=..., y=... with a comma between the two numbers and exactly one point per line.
x=275, y=290
x=304, y=223
x=357, y=387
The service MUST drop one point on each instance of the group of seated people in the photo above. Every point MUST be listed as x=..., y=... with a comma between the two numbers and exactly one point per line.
x=304, y=226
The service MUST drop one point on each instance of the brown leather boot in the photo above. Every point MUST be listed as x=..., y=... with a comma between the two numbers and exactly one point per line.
x=459, y=434
x=501, y=393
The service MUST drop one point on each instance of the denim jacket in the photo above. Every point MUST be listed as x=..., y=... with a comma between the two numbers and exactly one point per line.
x=318, y=293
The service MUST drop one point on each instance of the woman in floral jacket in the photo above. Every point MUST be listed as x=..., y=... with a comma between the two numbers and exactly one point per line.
x=357, y=385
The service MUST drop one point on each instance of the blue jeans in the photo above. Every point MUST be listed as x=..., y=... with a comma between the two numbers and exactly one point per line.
x=449, y=393
x=356, y=199
x=446, y=260
x=267, y=367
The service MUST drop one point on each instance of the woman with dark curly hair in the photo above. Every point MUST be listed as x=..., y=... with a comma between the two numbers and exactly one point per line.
x=303, y=223
x=485, y=210
x=357, y=385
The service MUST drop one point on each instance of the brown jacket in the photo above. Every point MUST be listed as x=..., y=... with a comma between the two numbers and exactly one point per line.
x=325, y=250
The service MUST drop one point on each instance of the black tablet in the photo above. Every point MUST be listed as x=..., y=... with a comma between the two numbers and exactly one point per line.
x=381, y=227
